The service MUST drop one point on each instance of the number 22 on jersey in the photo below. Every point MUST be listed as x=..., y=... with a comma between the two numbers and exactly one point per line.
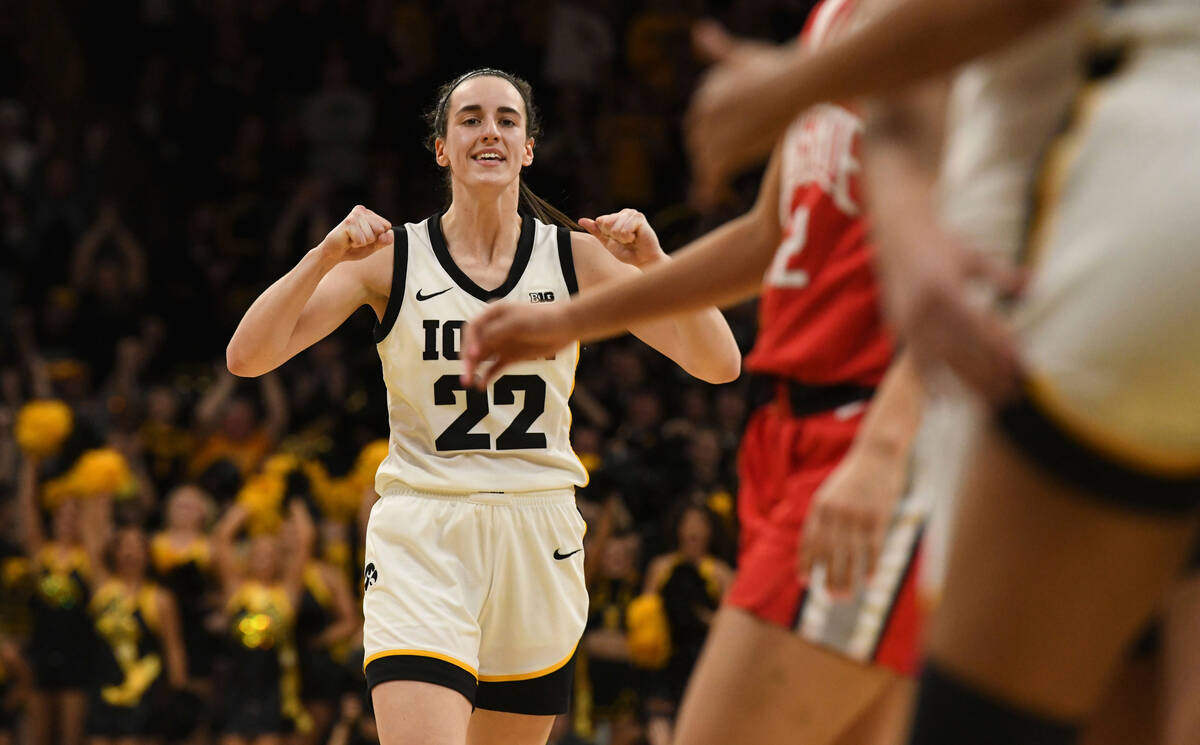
x=458, y=436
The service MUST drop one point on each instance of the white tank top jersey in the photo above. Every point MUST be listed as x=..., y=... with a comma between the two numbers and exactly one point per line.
x=1006, y=108
x=513, y=437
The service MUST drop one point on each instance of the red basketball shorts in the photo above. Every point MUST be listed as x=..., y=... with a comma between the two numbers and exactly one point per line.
x=782, y=462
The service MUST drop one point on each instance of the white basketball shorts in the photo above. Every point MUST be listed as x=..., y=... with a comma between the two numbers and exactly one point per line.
x=482, y=593
x=1110, y=325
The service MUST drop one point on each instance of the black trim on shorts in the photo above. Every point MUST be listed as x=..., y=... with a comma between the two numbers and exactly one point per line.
x=1045, y=443
x=566, y=260
x=548, y=695
x=423, y=669
x=399, y=278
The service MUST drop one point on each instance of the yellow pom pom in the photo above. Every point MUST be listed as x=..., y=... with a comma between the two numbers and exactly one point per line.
x=262, y=498
x=591, y=462
x=42, y=426
x=56, y=491
x=338, y=498
x=281, y=464
x=318, y=477
x=721, y=503
x=101, y=471
x=649, y=635
x=369, y=459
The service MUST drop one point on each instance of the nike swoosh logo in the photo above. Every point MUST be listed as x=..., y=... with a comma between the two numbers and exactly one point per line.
x=421, y=297
x=560, y=557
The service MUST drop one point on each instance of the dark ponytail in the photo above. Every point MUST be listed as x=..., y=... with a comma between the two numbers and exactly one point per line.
x=544, y=211
x=437, y=119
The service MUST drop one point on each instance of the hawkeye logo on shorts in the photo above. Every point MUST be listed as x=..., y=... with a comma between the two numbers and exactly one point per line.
x=546, y=296
x=370, y=576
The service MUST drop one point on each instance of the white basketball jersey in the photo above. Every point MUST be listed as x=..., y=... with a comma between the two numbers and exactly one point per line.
x=1003, y=111
x=513, y=437
x=1006, y=108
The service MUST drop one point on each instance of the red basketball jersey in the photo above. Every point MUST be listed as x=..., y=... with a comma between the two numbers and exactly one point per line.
x=819, y=315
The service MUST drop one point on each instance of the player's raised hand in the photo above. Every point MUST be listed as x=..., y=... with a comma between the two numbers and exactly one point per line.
x=506, y=333
x=736, y=115
x=627, y=235
x=361, y=234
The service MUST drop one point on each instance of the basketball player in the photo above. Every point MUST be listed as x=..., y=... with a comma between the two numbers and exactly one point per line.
x=475, y=595
x=823, y=347
x=1079, y=501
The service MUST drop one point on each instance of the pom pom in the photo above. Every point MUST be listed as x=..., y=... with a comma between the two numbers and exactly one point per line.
x=56, y=491
x=649, y=635
x=262, y=498
x=281, y=464
x=43, y=426
x=102, y=471
x=369, y=460
x=721, y=503
x=338, y=498
x=591, y=462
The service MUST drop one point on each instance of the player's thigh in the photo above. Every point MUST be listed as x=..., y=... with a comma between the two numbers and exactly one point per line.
x=1045, y=585
x=410, y=712
x=1181, y=663
x=757, y=683
x=885, y=721
x=1132, y=707
x=502, y=728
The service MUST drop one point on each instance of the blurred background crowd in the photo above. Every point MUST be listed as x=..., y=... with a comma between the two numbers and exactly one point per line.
x=180, y=550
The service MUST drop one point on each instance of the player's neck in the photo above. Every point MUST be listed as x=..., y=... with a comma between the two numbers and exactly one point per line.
x=484, y=228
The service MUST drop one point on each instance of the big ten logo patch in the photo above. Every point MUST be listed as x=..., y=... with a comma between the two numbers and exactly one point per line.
x=545, y=296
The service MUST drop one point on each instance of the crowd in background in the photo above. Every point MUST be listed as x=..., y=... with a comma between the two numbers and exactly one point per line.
x=181, y=549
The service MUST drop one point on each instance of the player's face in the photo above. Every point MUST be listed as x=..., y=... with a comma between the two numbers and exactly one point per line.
x=485, y=142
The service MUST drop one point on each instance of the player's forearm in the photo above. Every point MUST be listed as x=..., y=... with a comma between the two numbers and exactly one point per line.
x=891, y=423
x=903, y=44
x=261, y=339
x=899, y=183
x=722, y=268
x=707, y=346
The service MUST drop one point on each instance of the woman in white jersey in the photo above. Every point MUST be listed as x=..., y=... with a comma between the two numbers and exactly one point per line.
x=475, y=597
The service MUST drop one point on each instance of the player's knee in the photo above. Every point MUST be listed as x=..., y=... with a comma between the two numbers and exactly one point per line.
x=952, y=711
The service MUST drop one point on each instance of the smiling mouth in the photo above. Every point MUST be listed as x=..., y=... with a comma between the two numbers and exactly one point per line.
x=488, y=158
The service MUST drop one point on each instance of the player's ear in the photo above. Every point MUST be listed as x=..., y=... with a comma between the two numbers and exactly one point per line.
x=439, y=153
x=527, y=157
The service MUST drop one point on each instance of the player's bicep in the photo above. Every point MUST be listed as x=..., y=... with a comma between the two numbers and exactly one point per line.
x=338, y=294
